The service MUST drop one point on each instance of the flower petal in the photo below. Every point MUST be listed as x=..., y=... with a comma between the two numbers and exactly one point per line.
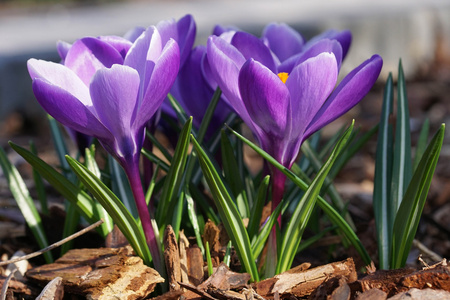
x=252, y=47
x=283, y=40
x=67, y=109
x=143, y=54
x=60, y=76
x=225, y=62
x=160, y=81
x=89, y=54
x=344, y=38
x=266, y=98
x=121, y=44
x=349, y=92
x=134, y=33
x=186, y=36
x=310, y=84
x=324, y=45
x=114, y=94
x=62, y=48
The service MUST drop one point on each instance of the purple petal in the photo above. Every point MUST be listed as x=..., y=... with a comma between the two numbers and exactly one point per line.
x=349, y=92
x=283, y=40
x=67, y=109
x=62, y=48
x=252, y=47
x=161, y=80
x=225, y=62
x=315, y=49
x=114, y=94
x=134, y=33
x=344, y=37
x=143, y=54
x=121, y=44
x=310, y=84
x=60, y=76
x=266, y=98
x=88, y=55
x=186, y=36
x=219, y=29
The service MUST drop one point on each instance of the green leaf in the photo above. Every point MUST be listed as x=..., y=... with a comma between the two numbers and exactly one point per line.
x=421, y=143
x=115, y=208
x=298, y=221
x=257, y=208
x=408, y=215
x=66, y=188
x=402, y=165
x=384, y=216
x=232, y=176
x=100, y=213
x=174, y=178
x=194, y=221
x=42, y=196
x=327, y=208
x=229, y=214
x=26, y=205
x=209, y=260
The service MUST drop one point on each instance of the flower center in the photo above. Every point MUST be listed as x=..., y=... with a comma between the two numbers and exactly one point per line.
x=283, y=76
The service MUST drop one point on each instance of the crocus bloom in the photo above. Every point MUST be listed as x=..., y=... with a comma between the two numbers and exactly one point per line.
x=108, y=90
x=283, y=109
x=194, y=89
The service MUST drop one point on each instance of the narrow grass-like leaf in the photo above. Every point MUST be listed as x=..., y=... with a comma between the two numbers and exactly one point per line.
x=296, y=226
x=26, y=205
x=257, y=208
x=384, y=217
x=228, y=213
x=332, y=214
x=39, y=184
x=209, y=260
x=155, y=159
x=260, y=241
x=158, y=145
x=336, y=199
x=100, y=213
x=207, y=117
x=66, y=188
x=203, y=204
x=408, y=215
x=179, y=111
x=421, y=143
x=402, y=164
x=231, y=174
x=194, y=221
x=227, y=257
x=118, y=212
x=174, y=178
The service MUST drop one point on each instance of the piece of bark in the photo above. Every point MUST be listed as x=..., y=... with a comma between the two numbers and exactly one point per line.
x=224, y=279
x=18, y=287
x=54, y=290
x=195, y=265
x=115, y=239
x=211, y=236
x=435, y=278
x=373, y=294
x=196, y=290
x=226, y=294
x=184, y=244
x=425, y=294
x=303, y=283
x=104, y=273
x=384, y=280
x=334, y=288
x=170, y=295
x=172, y=259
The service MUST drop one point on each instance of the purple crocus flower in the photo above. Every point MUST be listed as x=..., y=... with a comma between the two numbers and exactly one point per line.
x=108, y=90
x=194, y=89
x=283, y=109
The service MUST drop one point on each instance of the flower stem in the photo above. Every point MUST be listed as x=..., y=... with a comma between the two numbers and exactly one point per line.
x=139, y=197
x=278, y=181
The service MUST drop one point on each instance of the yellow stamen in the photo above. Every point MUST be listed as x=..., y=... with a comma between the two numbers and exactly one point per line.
x=283, y=76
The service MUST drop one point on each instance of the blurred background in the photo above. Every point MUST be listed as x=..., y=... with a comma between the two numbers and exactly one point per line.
x=417, y=31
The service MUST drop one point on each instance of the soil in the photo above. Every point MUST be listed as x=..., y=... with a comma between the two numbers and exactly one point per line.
x=429, y=97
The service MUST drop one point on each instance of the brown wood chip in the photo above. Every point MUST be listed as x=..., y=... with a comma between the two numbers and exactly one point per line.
x=172, y=259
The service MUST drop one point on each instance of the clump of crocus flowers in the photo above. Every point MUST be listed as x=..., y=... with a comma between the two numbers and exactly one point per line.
x=281, y=86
